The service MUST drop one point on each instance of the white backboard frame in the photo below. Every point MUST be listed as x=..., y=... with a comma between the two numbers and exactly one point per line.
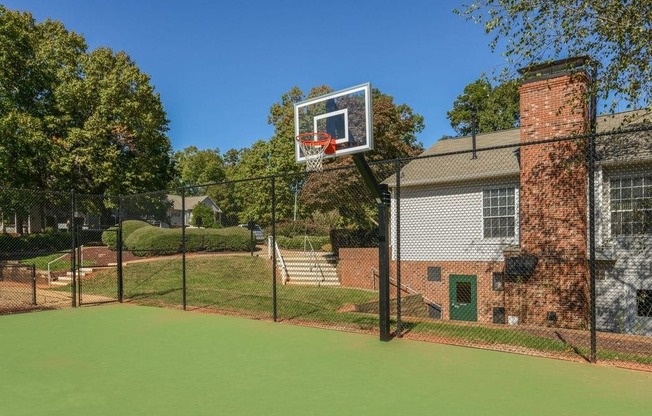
x=341, y=149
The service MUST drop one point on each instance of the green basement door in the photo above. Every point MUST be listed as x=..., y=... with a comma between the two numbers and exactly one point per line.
x=463, y=297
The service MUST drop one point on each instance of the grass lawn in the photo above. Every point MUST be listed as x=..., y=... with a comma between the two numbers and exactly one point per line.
x=237, y=283
x=242, y=284
x=63, y=262
x=132, y=360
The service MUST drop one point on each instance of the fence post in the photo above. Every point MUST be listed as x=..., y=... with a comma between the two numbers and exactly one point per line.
x=592, y=269
x=383, y=265
x=33, y=284
x=591, y=168
x=183, y=245
x=273, y=248
x=119, y=247
x=397, y=247
x=73, y=250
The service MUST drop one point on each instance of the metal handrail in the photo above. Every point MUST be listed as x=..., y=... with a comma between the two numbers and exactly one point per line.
x=314, y=259
x=49, y=268
x=284, y=272
x=409, y=289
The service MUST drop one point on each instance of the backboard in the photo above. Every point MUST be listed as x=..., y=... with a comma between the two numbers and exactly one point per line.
x=346, y=115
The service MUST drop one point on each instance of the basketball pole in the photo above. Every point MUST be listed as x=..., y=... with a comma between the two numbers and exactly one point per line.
x=382, y=196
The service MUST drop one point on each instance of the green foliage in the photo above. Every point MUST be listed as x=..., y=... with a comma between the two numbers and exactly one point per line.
x=300, y=228
x=203, y=216
x=342, y=238
x=155, y=241
x=395, y=128
x=109, y=236
x=48, y=241
x=72, y=119
x=616, y=33
x=198, y=167
x=129, y=226
x=299, y=243
x=495, y=108
x=224, y=239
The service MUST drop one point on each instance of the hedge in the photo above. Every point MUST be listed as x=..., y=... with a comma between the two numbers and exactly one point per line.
x=345, y=238
x=51, y=241
x=109, y=237
x=300, y=228
x=154, y=241
x=297, y=243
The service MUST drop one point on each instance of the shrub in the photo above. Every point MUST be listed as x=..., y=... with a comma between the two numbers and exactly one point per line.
x=129, y=226
x=219, y=239
x=300, y=228
x=153, y=241
x=203, y=216
x=109, y=237
x=354, y=238
x=9, y=243
x=50, y=241
x=298, y=243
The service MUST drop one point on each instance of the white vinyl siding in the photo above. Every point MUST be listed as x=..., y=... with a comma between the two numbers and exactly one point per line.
x=620, y=236
x=446, y=223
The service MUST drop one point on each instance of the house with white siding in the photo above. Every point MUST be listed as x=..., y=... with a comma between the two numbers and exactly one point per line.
x=500, y=234
x=176, y=212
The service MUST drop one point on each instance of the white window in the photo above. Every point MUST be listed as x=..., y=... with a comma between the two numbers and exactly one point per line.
x=631, y=205
x=498, y=212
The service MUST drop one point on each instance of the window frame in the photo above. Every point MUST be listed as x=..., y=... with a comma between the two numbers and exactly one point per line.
x=631, y=223
x=644, y=303
x=513, y=216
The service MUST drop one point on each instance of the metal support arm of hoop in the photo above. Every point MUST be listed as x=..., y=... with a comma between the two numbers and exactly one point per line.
x=314, y=146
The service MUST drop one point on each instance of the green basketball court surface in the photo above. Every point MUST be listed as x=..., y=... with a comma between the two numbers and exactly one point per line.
x=124, y=360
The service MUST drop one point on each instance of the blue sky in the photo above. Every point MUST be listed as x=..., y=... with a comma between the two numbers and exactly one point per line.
x=219, y=65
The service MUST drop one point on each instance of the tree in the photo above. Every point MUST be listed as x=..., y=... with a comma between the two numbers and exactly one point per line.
x=203, y=216
x=495, y=108
x=72, y=119
x=198, y=167
x=616, y=33
x=115, y=139
x=395, y=129
x=34, y=59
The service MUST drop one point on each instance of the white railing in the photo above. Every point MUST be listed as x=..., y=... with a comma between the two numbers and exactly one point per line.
x=284, y=271
x=81, y=263
x=313, y=257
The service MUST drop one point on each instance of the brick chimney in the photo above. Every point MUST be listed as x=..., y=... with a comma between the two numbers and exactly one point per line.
x=553, y=198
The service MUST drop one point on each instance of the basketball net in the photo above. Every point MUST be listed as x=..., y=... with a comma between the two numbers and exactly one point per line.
x=314, y=146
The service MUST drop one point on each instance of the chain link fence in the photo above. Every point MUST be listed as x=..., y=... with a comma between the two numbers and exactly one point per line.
x=535, y=248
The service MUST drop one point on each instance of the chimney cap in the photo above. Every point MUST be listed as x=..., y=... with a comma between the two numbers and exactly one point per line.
x=552, y=69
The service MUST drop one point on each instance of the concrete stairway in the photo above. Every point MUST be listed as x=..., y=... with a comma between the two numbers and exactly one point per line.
x=62, y=280
x=311, y=269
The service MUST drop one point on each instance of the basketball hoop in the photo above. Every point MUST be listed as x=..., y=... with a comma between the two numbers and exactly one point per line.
x=314, y=146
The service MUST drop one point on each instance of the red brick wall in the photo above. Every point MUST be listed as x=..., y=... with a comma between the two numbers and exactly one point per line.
x=356, y=264
x=355, y=267
x=414, y=274
x=553, y=201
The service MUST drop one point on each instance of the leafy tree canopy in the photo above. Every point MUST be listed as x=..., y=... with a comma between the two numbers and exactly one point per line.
x=615, y=33
x=73, y=119
x=395, y=128
x=198, y=167
x=203, y=216
x=494, y=108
